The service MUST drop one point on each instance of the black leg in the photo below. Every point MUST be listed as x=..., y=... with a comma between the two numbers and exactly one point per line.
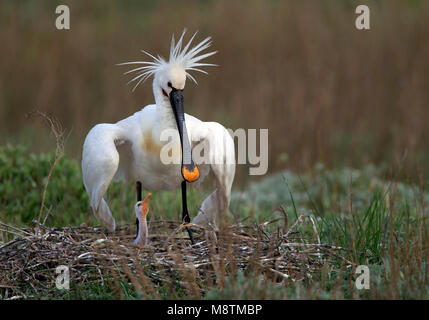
x=139, y=198
x=139, y=190
x=185, y=214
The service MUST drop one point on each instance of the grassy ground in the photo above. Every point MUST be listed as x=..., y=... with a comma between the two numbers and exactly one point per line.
x=382, y=224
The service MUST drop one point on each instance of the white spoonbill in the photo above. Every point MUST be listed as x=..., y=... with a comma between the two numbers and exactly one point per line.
x=141, y=209
x=131, y=148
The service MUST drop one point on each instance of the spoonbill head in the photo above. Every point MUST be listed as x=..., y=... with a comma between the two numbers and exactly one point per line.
x=141, y=209
x=171, y=77
x=131, y=149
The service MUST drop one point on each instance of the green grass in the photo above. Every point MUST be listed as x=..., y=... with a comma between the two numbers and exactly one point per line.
x=23, y=176
x=381, y=224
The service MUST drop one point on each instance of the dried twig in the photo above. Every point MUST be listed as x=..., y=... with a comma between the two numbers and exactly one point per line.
x=57, y=129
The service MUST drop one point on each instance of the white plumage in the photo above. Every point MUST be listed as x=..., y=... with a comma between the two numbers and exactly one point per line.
x=184, y=59
x=130, y=149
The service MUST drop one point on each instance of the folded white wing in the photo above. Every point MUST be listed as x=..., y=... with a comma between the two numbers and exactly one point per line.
x=221, y=158
x=100, y=160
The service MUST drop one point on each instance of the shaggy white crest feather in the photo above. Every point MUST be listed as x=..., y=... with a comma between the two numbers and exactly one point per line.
x=184, y=58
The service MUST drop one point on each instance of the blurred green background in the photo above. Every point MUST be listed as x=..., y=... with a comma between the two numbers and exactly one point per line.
x=327, y=92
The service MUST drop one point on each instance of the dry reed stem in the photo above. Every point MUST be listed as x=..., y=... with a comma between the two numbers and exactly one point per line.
x=58, y=131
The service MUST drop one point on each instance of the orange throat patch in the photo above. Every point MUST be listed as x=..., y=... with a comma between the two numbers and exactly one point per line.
x=190, y=175
x=145, y=206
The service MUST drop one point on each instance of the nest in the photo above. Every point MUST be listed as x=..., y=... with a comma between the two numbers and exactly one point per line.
x=94, y=256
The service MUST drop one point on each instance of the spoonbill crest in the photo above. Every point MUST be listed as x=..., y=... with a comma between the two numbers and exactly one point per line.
x=130, y=149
